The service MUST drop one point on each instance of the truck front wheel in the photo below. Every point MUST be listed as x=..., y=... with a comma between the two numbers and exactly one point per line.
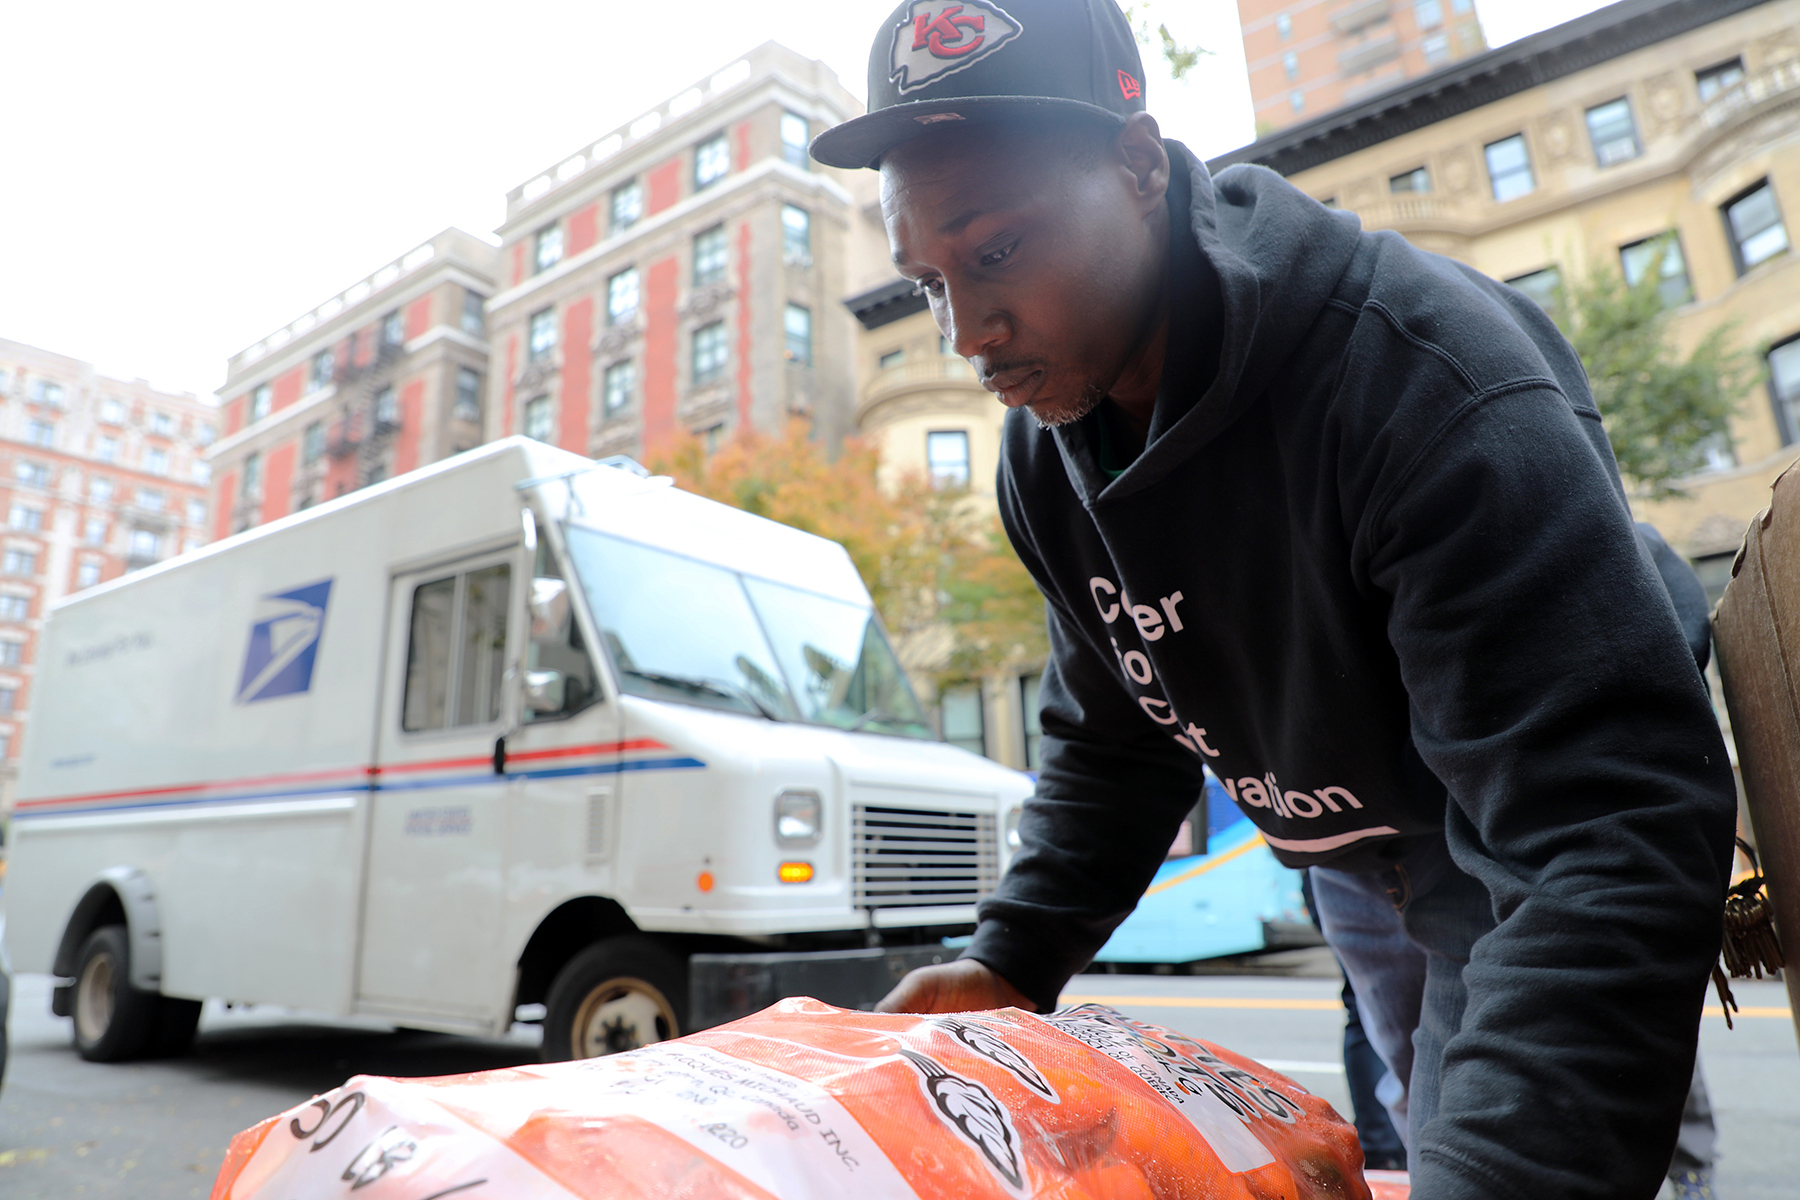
x=113, y=1020
x=618, y=994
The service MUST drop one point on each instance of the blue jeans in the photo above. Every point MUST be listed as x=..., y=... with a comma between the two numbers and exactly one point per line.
x=1403, y=935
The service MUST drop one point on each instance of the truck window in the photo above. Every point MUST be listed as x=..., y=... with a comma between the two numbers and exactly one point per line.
x=456, y=650
x=561, y=650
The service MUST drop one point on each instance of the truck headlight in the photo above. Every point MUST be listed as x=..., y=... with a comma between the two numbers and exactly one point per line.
x=799, y=817
x=1012, y=829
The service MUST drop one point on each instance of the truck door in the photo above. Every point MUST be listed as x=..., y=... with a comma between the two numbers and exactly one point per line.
x=434, y=895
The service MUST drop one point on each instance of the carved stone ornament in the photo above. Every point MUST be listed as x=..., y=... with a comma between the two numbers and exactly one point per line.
x=534, y=374
x=1361, y=194
x=1767, y=129
x=1778, y=47
x=1556, y=134
x=1459, y=170
x=1664, y=101
x=614, y=340
x=702, y=302
x=712, y=400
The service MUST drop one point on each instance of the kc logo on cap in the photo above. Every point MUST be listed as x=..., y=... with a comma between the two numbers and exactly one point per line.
x=936, y=38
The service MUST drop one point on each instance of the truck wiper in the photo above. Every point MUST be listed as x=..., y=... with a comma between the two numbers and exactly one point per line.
x=877, y=714
x=700, y=685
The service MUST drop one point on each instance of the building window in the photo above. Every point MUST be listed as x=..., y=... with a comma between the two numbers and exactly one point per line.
x=9, y=700
x=1639, y=258
x=796, y=324
x=959, y=709
x=710, y=256
x=1436, y=48
x=794, y=136
x=43, y=391
x=26, y=519
x=627, y=205
x=162, y=424
x=87, y=574
x=468, y=396
x=622, y=297
x=1509, y=168
x=710, y=353
x=15, y=608
x=796, y=235
x=1543, y=287
x=40, y=433
x=150, y=500
x=712, y=161
x=548, y=250
x=251, y=487
x=474, y=315
x=145, y=545
x=1290, y=65
x=100, y=490
x=387, y=408
x=1720, y=77
x=617, y=386
x=892, y=358
x=1428, y=13
x=156, y=461
x=1284, y=26
x=542, y=337
x=947, y=458
x=262, y=399
x=112, y=412
x=11, y=654
x=324, y=366
x=1613, y=133
x=19, y=562
x=207, y=434
x=1784, y=388
x=1416, y=180
x=1032, y=720
x=1296, y=101
x=1753, y=222
x=538, y=419
x=312, y=443
x=196, y=512
x=393, y=329
x=33, y=474
x=106, y=449
x=94, y=532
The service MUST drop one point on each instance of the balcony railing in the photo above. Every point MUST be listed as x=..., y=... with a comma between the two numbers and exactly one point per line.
x=1747, y=93
x=945, y=370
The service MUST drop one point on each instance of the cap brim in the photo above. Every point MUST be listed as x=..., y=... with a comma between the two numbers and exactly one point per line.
x=861, y=141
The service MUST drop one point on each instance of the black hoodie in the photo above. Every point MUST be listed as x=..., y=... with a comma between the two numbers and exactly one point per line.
x=1378, y=572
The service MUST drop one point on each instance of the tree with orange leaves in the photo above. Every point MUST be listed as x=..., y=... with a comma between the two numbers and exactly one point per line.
x=951, y=592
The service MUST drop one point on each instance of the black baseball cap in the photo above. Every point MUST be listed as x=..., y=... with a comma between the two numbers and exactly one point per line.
x=935, y=62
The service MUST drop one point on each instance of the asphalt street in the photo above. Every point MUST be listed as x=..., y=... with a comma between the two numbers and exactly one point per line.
x=158, y=1130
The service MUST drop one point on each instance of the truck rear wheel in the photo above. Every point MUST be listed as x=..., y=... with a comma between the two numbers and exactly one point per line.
x=113, y=1020
x=618, y=994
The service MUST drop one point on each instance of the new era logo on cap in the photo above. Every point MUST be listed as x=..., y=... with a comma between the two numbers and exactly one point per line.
x=936, y=38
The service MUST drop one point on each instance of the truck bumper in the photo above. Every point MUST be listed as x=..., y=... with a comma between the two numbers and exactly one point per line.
x=724, y=987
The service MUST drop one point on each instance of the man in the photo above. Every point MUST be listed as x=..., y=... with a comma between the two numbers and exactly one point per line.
x=1337, y=519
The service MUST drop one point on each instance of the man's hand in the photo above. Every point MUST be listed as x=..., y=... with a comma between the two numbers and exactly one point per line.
x=961, y=986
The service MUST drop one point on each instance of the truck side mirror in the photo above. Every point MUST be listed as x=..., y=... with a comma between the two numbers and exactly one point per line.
x=549, y=609
x=545, y=692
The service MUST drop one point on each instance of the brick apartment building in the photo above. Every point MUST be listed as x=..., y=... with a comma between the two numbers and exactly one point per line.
x=98, y=477
x=684, y=271
x=386, y=376
x=1307, y=57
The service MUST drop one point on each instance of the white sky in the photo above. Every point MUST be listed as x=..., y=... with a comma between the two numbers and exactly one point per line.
x=179, y=179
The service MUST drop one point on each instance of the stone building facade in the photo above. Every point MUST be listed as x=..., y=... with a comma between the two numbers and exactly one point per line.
x=388, y=375
x=1644, y=124
x=98, y=477
x=1308, y=57
x=682, y=272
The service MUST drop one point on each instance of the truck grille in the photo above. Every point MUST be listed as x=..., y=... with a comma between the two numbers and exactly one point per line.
x=911, y=858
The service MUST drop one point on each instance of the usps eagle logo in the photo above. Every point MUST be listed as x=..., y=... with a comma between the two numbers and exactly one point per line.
x=284, y=642
x=935, y=39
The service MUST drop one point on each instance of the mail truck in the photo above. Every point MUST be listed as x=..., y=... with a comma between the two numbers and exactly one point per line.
x=515, y=736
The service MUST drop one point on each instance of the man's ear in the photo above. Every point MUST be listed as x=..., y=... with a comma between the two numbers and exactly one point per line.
x=1140, y=150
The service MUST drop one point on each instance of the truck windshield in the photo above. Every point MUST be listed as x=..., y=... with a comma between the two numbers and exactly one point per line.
x=680, y=629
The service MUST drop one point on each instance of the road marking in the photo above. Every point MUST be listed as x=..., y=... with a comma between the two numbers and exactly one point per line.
x=1208, y=1002
x=1290, y=1067
x=1269, y=1002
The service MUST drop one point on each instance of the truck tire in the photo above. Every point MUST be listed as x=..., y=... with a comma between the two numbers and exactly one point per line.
x=176, y=1023
x=618, y=994
x=113, y=1020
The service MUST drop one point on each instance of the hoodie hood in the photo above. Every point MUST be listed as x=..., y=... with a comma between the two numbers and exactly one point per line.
x=1277, y=256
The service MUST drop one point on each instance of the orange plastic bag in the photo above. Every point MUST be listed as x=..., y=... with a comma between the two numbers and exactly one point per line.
x=804, y=1100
